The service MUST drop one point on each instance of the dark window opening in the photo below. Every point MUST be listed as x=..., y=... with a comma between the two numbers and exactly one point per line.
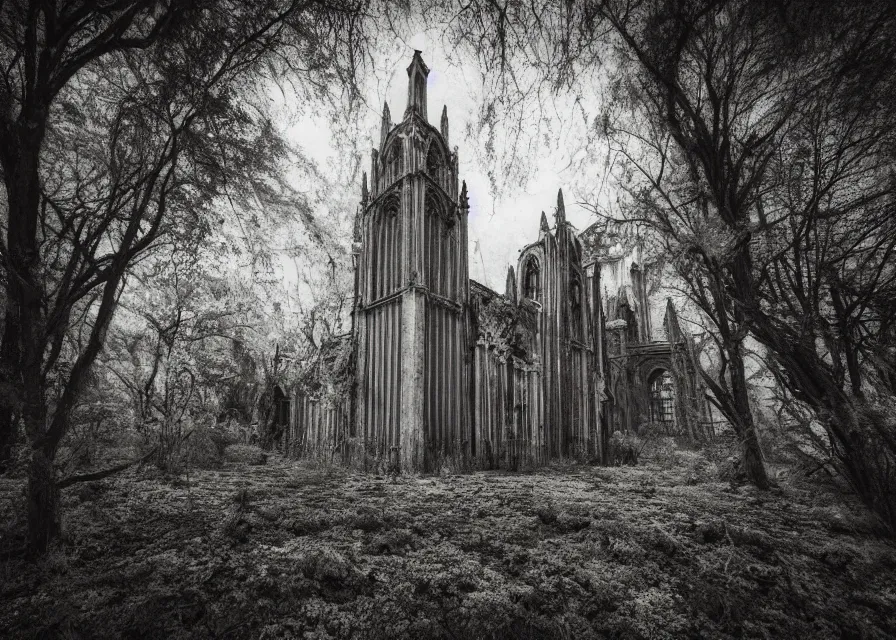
x=395, y=162
x=434, y=165
x=531, y=280
x=575, y=307
x=421, y=91
x=626, y=313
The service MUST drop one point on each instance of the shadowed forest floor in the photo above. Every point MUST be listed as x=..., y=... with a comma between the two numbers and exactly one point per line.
x=290, y=550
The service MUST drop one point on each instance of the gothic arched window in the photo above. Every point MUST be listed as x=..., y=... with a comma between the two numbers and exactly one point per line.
x=395, y=161
x=575, y=306
x=435, y=166
x=420, y=88
x=384, y=248
x=532, y=279
x=440, y=246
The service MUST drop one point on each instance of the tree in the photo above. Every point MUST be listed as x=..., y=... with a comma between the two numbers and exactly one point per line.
x=769, y=177
x=170, y=346
x=824, y=257
x=121, y=124
x=755, y=140
x=659, y=82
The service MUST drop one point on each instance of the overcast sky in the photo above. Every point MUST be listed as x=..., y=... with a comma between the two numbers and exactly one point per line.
x=501, y=225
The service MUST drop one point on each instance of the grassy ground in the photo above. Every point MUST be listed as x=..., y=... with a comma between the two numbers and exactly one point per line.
x=290, y=550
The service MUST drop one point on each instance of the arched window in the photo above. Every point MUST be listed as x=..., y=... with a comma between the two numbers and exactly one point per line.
x=662, y=400
x=440, y=246
x=532, y=279
x=390, y=206
x=420, y=88
x=435, y=166
x=625, y=312
x=395, y=162
x=281, y=407
x=383, y=248
x=575, y=306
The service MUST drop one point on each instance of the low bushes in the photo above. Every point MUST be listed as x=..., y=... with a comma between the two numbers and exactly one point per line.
x=245, y=453
x=625, y=449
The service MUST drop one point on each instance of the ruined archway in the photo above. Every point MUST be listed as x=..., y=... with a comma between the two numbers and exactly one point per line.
x=662, y=396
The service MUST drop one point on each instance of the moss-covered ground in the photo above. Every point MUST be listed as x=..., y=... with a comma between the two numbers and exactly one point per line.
x=289, y=550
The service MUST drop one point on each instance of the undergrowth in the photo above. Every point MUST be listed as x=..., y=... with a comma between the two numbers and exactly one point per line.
x=283, y=550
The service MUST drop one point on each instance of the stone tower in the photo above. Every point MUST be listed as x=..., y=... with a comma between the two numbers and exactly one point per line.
x=552, y=274
x=412, y=291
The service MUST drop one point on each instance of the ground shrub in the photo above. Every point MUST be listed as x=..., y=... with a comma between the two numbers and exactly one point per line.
x=326, y=566
x=662, y=451
x=305, y=524
x=662, y=541
x=203, y=449
x=245, y=453
x=625, y=449
x=568, y=523
x=391, y=542
x=546, y=513
x=89, y=491
x=367, y=520
x=711, y=532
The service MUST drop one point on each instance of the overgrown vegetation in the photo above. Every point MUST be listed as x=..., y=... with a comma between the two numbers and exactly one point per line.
x=129, y=132
x=289, y=550
x=752, y=143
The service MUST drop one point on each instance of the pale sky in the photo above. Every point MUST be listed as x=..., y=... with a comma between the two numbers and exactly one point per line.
x=501, y=226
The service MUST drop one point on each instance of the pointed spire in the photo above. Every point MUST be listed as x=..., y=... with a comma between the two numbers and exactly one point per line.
x=510, y=286
x=561, y=210
x=356, y=229
x=387, y=123
x=673, y=329
x=444, y=126
x=545, y=227
x=464, y=201
x=417, y=73
x=365, y=195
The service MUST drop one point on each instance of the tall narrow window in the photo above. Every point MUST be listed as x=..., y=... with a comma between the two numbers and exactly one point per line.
x=575, y=306
x=384, y=248
x=625, y=312
x=440, y=258
x=532, y=279
x=395, y=162
x=435, y=166
x=421, y=92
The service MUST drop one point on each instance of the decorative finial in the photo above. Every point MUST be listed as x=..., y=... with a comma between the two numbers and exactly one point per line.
x=417, y=74
x=510, y=285
x=464, y=201
x=545, y=227
x=445, y=123
x=561, y=210
x=356, y=228
x=387, y=123
x=365, y=195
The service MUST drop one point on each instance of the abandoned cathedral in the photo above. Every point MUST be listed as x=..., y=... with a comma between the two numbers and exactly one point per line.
x=444, y=369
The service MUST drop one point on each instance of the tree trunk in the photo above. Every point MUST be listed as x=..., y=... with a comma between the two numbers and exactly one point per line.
x=9, y=370
x=754, y=465
x=44, y=524
x=25, y=291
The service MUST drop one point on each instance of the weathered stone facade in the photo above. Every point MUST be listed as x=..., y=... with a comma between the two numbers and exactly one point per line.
x=448, y=370
x=652, y=362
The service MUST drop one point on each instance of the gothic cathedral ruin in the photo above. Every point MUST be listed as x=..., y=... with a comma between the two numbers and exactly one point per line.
x=446, y=369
